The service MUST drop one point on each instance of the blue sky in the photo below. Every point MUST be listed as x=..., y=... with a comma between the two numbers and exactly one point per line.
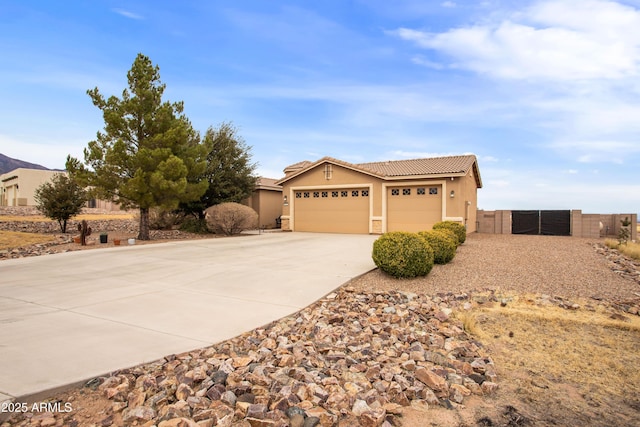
x=545, y=93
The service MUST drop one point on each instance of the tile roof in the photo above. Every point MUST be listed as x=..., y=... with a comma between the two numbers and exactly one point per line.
x=267, y=184
x=297, y=166
x=432, y=166
x=428, y=166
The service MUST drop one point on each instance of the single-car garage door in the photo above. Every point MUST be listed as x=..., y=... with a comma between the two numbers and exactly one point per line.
x=413, y=208
x=332, y=210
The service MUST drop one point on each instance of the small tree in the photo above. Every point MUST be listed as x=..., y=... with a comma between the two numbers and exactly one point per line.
x=229, y=172
x=625, y=233
x=60, y=199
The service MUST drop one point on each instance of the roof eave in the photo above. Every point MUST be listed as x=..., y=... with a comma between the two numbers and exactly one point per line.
x=333, y=161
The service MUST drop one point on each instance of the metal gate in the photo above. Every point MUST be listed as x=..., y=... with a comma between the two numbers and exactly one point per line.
x=550, y=223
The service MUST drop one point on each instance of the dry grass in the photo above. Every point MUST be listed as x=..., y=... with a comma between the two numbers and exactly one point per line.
x=88, y=217
x=550, y=352
x=630, y=249
x=14, y=239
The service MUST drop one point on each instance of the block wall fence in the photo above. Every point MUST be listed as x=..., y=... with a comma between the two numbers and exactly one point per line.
x=582, y=225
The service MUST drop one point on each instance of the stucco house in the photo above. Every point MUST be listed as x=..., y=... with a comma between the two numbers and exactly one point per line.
x=335, y=196
x=17, y=187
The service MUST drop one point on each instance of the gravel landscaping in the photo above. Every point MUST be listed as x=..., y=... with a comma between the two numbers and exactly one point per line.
x=552, y=265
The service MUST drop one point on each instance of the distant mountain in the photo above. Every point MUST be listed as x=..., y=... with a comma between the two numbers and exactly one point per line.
x=7, y=164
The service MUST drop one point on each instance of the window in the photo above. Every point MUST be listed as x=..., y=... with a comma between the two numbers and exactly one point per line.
x=433, y=190
x=325, y=194
x=395, y=192
x=316, y=194
x=406, y=191
x=306, y=194
x=334, y=194
x=344, y=193
x=365, y=193
x=354, y=193
x=421, y=191
x=298, y=195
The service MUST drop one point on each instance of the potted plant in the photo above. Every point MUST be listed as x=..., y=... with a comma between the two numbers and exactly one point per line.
x=103, y=237
x=116, y=242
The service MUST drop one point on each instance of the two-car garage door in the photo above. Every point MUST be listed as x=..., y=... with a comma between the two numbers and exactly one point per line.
x=340, y=210
x=348, y=210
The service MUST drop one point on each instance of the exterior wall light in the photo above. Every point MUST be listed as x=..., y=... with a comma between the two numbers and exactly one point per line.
x=286, y=201
x=452, y=194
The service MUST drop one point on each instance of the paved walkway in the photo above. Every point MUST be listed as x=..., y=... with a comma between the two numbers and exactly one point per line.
x=70, y=317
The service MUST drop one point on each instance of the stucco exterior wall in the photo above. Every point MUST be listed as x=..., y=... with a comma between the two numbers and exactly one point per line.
x=462, y=205
x=17, y=187
x=268, y=204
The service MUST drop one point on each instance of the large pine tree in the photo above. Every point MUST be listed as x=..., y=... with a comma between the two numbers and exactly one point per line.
x=148, y=154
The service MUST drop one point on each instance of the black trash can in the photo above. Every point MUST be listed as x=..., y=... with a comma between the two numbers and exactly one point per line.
x=103, y=238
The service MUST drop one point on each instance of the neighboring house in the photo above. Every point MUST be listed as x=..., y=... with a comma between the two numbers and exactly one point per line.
x=334, y=196
x=17, y=187
x=267, y=201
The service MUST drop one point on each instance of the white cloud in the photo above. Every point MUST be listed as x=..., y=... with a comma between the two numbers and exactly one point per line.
x=561, y=40
x=421, y=60
x=448, y=4
x=128, y=14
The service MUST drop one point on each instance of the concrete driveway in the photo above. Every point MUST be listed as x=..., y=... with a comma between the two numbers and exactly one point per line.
x=70, y=317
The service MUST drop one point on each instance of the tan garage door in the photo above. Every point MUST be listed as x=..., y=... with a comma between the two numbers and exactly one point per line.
x=332, y=211
x=413, y=208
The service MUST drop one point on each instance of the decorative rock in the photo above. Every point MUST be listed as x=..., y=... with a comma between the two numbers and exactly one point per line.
x=223, y=413
x=140, y=413
x=259, y=422
x=360, y=407
x=373, y=418
x=183, y=392
x=326, y=418
x=489, y=387
x=178, y=422
x=296, y=420
x=311, y=422
x=347, y=358
x=432, y=380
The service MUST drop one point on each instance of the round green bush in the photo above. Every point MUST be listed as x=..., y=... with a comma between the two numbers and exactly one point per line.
x=443, y=243
x=458, y=229
x=403, y=254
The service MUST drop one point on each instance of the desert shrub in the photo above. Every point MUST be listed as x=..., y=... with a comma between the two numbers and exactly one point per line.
x=403, y=254
x=458, y=229
x=194, y=225
x=231, y=218
x=625, y=232
x=443, y=243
